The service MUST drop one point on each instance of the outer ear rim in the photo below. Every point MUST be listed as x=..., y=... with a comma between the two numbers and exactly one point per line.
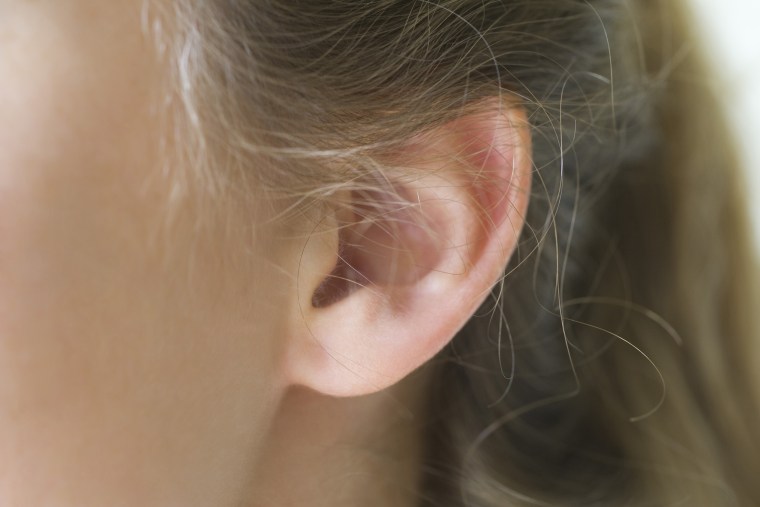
x=358, y=345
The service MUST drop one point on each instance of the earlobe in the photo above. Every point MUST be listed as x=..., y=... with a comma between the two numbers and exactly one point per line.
x=396, y=281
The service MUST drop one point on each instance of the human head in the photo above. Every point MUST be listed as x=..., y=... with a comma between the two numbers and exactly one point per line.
x=217, y=201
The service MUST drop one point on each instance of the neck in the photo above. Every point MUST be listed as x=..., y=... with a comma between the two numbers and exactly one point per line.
x=346, y=452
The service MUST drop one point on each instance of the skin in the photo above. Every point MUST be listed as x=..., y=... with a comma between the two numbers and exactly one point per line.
x=127, y=375
x=156, y=350
x=140, y=357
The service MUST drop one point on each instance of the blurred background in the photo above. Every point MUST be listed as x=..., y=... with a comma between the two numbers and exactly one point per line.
x=732, y=40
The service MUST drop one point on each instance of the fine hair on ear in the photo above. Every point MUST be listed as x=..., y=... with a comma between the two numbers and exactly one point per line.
x=612, y=362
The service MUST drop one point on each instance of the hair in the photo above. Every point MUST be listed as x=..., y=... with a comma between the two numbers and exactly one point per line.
x=611, y=366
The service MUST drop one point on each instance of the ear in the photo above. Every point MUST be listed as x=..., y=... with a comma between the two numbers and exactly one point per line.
x=384, y=292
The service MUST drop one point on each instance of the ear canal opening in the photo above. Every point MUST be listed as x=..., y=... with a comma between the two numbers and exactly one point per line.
x=342, y=281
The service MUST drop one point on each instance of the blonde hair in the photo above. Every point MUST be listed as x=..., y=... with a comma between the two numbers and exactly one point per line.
x=612, y=364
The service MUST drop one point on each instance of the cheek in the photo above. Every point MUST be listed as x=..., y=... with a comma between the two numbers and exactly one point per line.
x=72, y=106
x=71, y=155
x=134, y=363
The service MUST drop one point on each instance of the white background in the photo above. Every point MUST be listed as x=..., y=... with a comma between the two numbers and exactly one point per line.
x=732, y=39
